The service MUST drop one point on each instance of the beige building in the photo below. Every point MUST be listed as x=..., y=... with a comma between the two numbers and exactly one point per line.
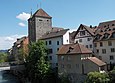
x=77, y=59
x=104, y=42
x=20, y=48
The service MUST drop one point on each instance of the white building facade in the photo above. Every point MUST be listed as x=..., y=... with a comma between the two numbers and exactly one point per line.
x=53, y=42
x=85, y=35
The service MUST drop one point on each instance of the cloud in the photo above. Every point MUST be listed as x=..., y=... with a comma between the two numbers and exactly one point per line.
x=6, y=42
x=72, y=30
x=23, y=16
x=21, y=24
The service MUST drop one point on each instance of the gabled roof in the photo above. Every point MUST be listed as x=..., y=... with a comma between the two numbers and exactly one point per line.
x=97, y=61
x=41, y=13
x=88, y=29
x=73, y=49
x=54, y=34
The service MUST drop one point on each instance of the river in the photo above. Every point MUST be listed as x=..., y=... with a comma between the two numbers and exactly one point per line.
x=7, y=78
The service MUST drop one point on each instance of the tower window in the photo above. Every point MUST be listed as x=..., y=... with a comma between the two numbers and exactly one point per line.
x=40, y=20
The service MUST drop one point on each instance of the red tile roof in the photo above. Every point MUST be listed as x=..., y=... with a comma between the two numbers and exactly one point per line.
x=41, y=13
x=73, y=49
x=97, y=61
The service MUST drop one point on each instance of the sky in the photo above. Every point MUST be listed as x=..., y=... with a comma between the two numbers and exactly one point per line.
x=65, y=13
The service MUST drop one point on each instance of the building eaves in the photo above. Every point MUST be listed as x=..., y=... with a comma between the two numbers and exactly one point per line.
x=54, y=34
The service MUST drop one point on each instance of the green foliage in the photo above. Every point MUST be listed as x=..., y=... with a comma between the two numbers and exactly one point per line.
x=64, y=79
x=112, y=75
x=36, y=63
x=3, y=57
x=96, y=77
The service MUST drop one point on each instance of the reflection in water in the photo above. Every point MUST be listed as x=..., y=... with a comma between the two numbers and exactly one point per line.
x=7, y=78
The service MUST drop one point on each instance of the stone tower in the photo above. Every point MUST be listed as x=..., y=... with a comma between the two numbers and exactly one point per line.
x=38, y=24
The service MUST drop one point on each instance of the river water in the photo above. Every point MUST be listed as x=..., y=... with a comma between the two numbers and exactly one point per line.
x=7, y=78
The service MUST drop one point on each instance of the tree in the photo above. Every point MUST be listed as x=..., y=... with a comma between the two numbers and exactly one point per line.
x=3, y=57
x=37, y=64
x=96, y=77
x=112, y=75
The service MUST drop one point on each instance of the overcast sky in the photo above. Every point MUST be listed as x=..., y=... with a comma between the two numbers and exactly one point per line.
x=66, y=13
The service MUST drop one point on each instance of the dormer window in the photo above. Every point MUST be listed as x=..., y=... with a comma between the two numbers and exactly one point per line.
x=113, y=35
x=109, y=30
x=106, y=35
x=113, y=24
x=98, y=37
x=70, y=49
x=101, y=31
x=113, y=28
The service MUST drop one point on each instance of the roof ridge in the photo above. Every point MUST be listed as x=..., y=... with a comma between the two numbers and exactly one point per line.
x=41, y=13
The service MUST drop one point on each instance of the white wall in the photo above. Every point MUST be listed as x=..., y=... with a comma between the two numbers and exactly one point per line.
x=85, y=42
x=54, y=46
x=66, y=38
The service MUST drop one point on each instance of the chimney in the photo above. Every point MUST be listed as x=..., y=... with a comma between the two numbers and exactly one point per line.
x=90, y=26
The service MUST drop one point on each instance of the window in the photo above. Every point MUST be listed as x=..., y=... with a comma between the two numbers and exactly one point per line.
x=62, y=57
x=50, y=42
x=109, y=43
x=105, y=26
x=80, y=40
x=112, y=24
x=69, y=66
x=101, y=44
x=46, y=42
x=90, y=46
x=50, y=51
x=86, y=46
x=111, y=57
x=57, y=42
x=40, y=20
x=112, y=49
x=50, y=57
x=95, y=44
x=88, y=39
x=113, y=35
x=82, y=33
x=97, y=50
x=67, y=40
x=104, y=51
x=100, y=57
x=106, y=35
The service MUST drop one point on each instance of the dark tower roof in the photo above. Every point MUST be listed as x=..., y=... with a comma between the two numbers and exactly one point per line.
x=41, y=13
